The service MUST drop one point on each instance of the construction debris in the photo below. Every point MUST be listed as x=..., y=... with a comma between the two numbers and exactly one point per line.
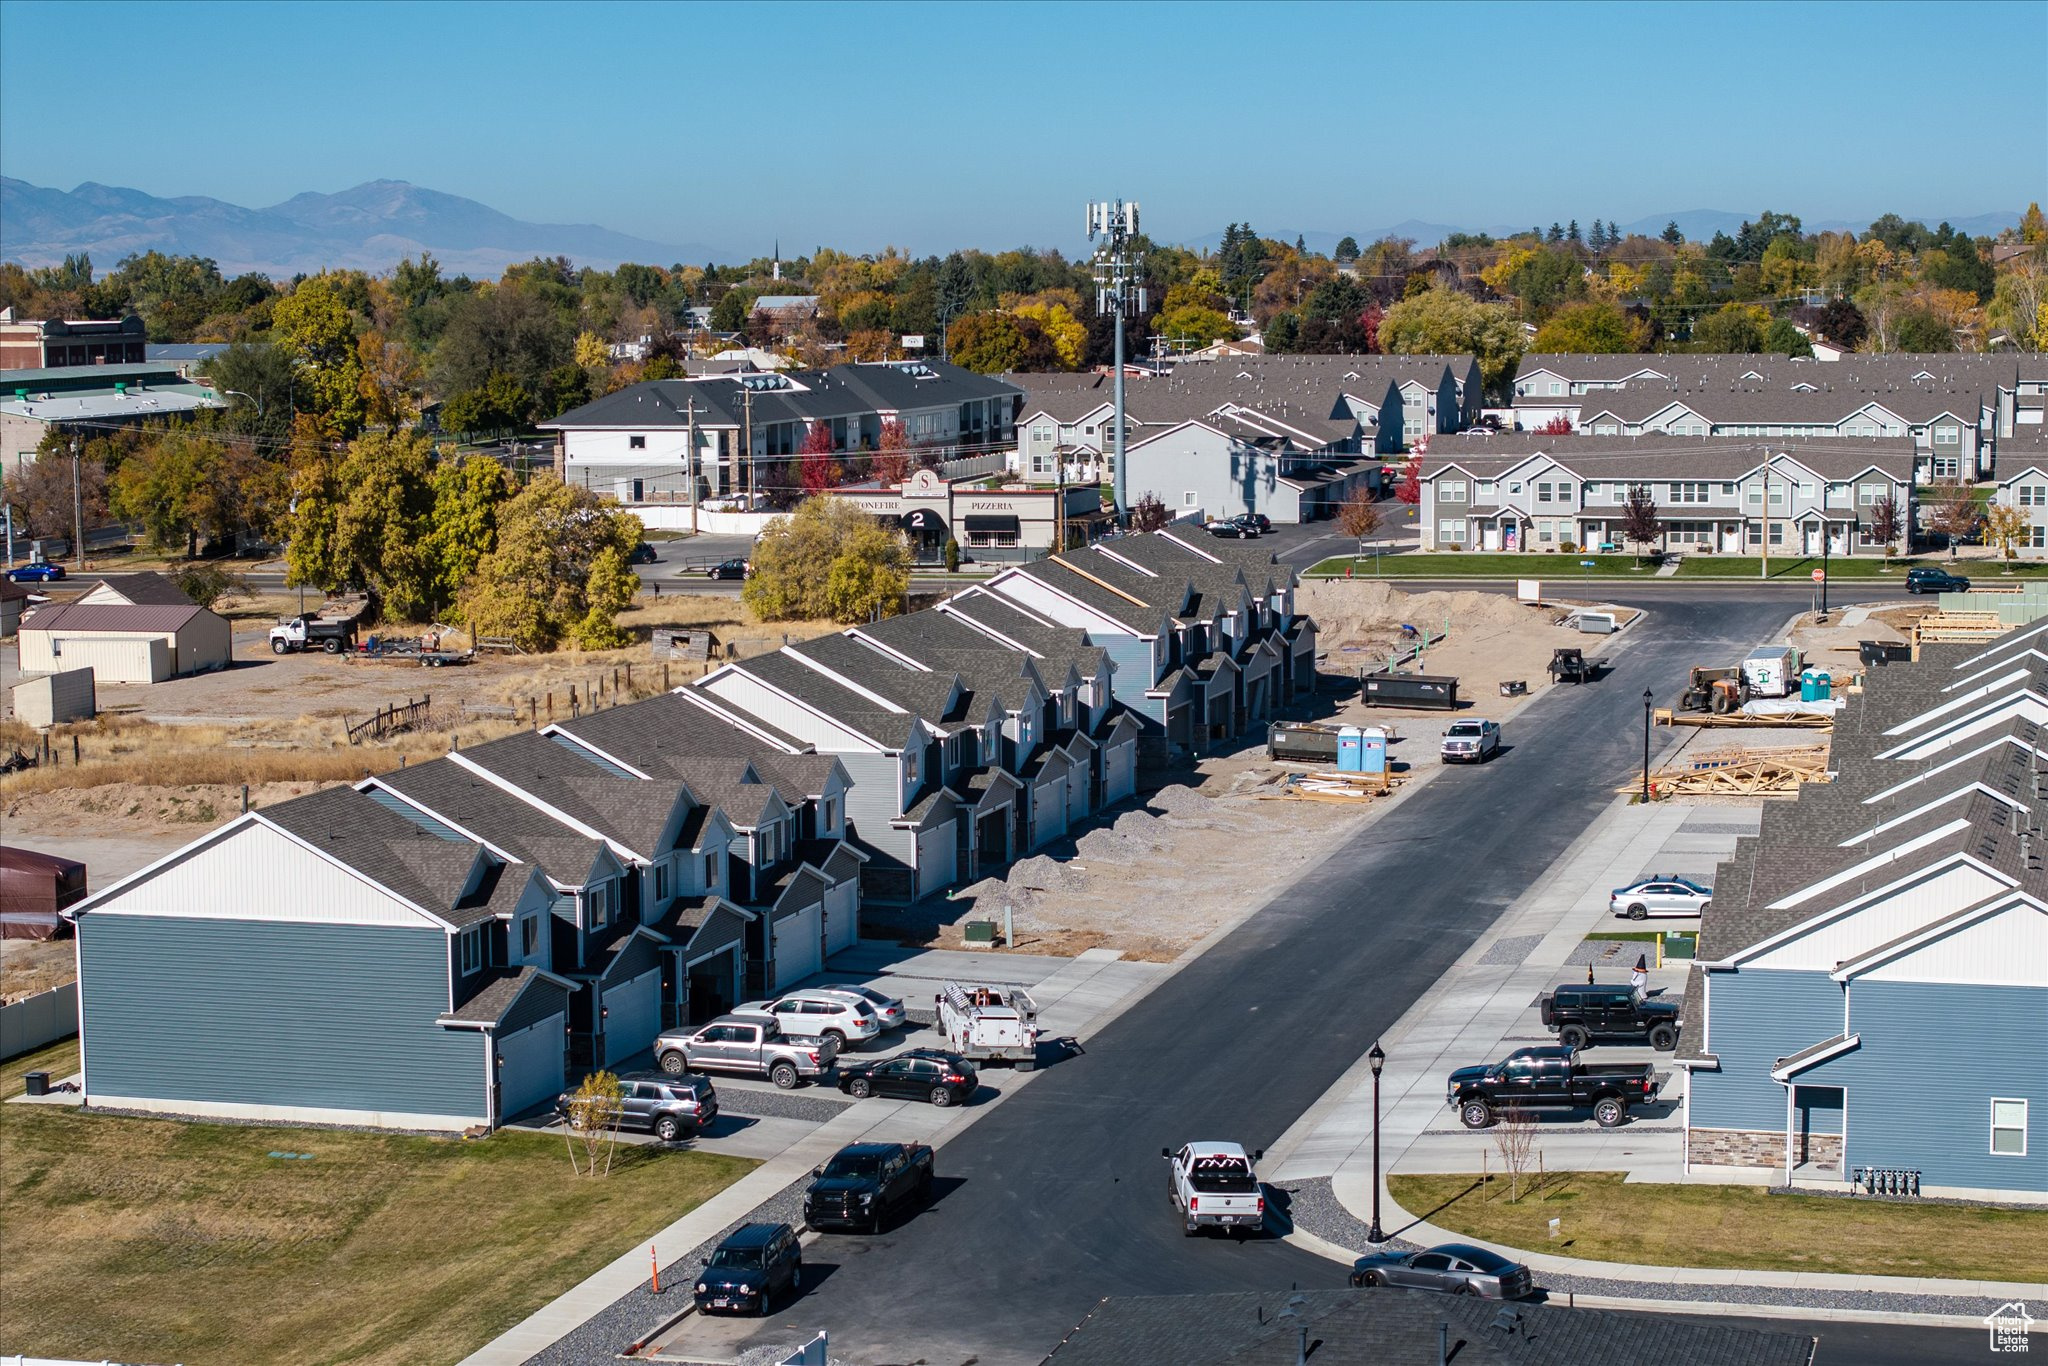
x=1328, y=785
x=1739, y=773
x=1785, y=720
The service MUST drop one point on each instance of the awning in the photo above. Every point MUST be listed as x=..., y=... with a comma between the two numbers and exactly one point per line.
x=992, y=523
x=925, y=522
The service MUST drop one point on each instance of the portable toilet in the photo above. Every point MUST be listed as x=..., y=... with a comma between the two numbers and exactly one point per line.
x=1350, y=750
x=1823, y=685
x=1807, y=684
x=1373, y=759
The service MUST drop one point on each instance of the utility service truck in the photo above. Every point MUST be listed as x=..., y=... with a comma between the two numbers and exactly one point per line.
x=990, y=1023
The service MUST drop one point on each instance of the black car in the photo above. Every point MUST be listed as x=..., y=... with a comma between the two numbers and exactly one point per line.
x=727, y=569
x=1927, y=580
x=643, y=553
x=1580, y=1014
x=865, y=1183
x=919, y=1074
x=1458, y=1268
x=754, y=1264
x=668, y=1107
x=1259, y=522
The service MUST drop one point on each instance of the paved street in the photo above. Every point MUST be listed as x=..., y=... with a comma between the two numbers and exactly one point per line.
x=1060, y=1200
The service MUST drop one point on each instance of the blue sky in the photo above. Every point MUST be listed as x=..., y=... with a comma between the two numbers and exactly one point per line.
x=945, y=125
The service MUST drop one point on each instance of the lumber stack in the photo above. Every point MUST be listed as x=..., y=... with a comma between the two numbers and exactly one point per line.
x=1740, y=773
x=1328, y=785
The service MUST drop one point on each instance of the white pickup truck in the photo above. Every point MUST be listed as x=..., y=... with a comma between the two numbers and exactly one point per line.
x=1214, y=1186
x=990, y=1024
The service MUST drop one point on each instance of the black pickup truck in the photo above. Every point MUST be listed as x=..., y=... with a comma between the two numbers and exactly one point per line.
x=865, y=1183
x=1550, y=1079
x=1578, y=1015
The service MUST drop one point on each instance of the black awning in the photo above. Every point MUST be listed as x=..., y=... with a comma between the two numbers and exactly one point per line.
x=993, y=522
x=924, y=521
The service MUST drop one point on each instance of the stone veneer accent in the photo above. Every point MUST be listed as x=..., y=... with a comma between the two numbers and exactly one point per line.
x=1739, y=1148
x=1823, y=1154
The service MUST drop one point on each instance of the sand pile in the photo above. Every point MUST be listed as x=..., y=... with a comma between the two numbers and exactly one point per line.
x=1350, y=611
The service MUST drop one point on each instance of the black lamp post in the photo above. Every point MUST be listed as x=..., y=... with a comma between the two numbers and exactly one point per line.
x=1378, y=1059
x=1647, y=698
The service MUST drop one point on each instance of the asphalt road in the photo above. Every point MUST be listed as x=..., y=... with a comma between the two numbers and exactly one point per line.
x=1060, y=1196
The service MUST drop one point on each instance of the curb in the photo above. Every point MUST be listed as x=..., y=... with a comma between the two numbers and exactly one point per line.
x=665, y=1326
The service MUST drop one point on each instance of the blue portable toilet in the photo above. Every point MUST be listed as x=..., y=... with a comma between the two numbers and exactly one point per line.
x=1823, y=685
x=1808, y=682
x=1373, y=744
x=1350, y=750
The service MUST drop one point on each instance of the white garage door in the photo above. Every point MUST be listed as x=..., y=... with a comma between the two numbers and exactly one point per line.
x=937, y=859
x=633, y=1016
x=530, y=1070
x=1078, y=782
x=1120, y=777
x=1048, y=812
x=796, y=947
x=842, y=918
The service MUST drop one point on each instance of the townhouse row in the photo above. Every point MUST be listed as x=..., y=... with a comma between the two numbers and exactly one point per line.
x=1529, y=492
x=445, y=946
x=1871, y=987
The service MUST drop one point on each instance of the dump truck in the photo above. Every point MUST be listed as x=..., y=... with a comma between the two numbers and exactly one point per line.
x=312, y=633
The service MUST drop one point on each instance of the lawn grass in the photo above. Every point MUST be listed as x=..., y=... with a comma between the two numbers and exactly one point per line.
x=1420, y=564
x=155, y=1240
x=1736, y=1226
x=1858, y=567
x=1636, y=936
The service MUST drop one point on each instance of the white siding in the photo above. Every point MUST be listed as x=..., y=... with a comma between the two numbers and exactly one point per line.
x=633, y=1016
x=1911, y=908
x=842, y=917
x=786, y=715
x=937, y=857
x=257, y=873
x=1038, y=598
x=112, y=659
x=2007, y=949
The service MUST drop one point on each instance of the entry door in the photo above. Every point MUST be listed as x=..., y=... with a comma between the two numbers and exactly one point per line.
x=1817, y=1113
x=1812, y=540
x=1489, y=539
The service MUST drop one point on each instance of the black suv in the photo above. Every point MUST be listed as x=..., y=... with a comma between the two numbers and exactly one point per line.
x=1578, y=1015
x=748, y=1269
x=915, y=1074
x=668, y=1107
x=1935, y=581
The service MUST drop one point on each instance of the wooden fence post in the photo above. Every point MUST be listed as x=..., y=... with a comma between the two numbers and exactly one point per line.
x=664, y=678
x=74, y=751
x=532, y=714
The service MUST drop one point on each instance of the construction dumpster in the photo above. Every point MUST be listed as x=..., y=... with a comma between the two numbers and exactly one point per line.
x=1434, y=692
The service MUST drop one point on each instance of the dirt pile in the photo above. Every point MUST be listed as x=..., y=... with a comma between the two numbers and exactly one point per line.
x=1352, y=611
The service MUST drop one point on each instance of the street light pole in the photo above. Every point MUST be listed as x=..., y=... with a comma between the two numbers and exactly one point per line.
x=1377, y=1059
x=1647, y=699
x=77, y=510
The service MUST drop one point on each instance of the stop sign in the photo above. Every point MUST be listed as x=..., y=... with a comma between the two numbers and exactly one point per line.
x=1820, y=575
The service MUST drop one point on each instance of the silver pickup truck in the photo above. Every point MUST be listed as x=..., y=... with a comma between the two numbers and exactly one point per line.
x=754, y=1047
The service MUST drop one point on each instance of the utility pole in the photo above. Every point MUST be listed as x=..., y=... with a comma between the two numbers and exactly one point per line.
x=690, y=456
x=77, y=510
x=1117, y=291
x=747, y=438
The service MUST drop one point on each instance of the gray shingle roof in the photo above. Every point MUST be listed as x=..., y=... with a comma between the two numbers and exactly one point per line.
x=811, y=395
x=889, y=729
x=1658, y=456
x=632, y=811
x=486, y=810
x=489, y=1004
x=424, y=869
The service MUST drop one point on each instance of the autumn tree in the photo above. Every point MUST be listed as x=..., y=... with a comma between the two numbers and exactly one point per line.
x=891, y=463
x=1360, y=518
x=548, y=578
x=1149, y=514
x=594, y=1112
x=2006, y=527
x=1639, y=520
x=383, y=522
x=1884, y=524
x=1449, y=321
x=189, y=483
x=1409, y=489
x=827, y=560
x=39, y=489
x=314, y=329
x=467, y=496
x=1955, y=513
x=816, y=467
x=1559, y=425
x=1591, y=329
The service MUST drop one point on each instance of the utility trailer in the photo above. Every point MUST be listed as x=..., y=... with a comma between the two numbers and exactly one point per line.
x=990, y=1024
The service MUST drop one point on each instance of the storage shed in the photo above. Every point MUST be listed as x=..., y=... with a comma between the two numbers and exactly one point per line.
x=125, y=643
x=33, y=888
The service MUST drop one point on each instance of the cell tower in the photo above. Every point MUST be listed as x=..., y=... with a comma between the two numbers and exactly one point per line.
x=1120, y=290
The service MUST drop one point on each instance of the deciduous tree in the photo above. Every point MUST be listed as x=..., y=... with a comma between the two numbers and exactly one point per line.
x=827, y=559
x=1149, y=514
x=2005, y=527
x=1639, y=519
x=1448, y=321
x=1884, y=524
x=818, y=470
x=1359, y=517
x=314, y=329
x=891, y=463
x=535, y=584
x=1591, y=329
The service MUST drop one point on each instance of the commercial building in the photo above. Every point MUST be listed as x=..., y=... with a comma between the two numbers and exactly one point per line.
x=36, y=402
x=992, y=521
x=46, y=344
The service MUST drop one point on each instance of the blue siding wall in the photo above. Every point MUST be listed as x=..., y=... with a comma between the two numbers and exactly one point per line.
x=1920, y=1087
x=1133, y=659
x=256, y=1013
x=1757, y=1017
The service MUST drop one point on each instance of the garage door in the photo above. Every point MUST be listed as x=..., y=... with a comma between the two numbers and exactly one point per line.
x=530, y=1067
x=632, y=1016
x=842, y=917
x=1048, y=812
x=796, y=947
x=937, y=860
x=1078, y=780
x=1120, y=777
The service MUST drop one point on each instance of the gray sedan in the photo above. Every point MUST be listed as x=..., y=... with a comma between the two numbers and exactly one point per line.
x=1458, y=1268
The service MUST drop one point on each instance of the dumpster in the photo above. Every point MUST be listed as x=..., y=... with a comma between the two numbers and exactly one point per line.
x=1435, y=692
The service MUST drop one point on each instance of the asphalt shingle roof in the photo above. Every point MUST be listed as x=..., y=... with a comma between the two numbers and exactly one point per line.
x=399, y=856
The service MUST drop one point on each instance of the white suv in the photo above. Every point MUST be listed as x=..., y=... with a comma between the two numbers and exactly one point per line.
x=821, y=1015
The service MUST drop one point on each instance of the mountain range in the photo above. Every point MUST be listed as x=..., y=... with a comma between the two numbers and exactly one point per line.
x=371, y=228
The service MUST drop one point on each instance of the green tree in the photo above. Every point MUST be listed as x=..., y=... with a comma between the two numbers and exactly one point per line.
x=1781, y=338
x=384, y=520
x=729, y=314
x=499, y=404
x=1671, y=235
x=535, y=584
x=993, y=342
x=189, y=483
x=1591, y=329
x=314, y=329
x=827, y=559
x=1347, y=249
x=1917, y=329
x=467, y=494
x=1731, y=329
x=1195, y=325
x=312, y=552
x=607, y=592
x=1451, y=321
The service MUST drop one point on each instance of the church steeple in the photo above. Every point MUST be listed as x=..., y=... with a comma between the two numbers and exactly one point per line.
x=778, y=258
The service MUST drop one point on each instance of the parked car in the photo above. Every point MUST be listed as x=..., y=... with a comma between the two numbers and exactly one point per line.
x=1550, y=1079
x=643, y=553
x=1660, y=896
x=727, y=569
x=1580, y=1014
x=888, y=1009
x=1458, y=1268
x=756, y=1047
x=833, y=1015
x=865, y=1183
x=1231, y=527
x=1213, y=1185
x=1471, y=741
x=668, y=1107
x=1930, y=580
x=1259, y=522
x=918, y=1074
x=40, y=572
x=745, y=1272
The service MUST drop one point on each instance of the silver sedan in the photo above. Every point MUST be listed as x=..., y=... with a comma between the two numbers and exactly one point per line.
x=1458, y=1268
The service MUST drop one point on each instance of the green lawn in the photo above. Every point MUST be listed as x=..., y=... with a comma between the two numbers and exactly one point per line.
x=154, y=1240
x=1456, y=565
x=1838, y=567
x=1736, y=1226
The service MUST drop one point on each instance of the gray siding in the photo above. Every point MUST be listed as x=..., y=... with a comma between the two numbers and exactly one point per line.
x=218, y=1011
x=1132, y=657
x=538, y=1002
x=871, y=805
x=1920, y=1086
x=1758, y=1016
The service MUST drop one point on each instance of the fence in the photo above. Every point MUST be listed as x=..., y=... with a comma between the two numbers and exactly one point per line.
x=36, y=1020
x=395, y=719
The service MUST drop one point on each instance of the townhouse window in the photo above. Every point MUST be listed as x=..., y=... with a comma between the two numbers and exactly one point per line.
x=1727, y=490
x=472, y=941
x=636, y=443
x=1777, y=495
x=2008, y=1128
x=1621, y=493
x=1514, y=486
x=1451, y=490
x=1603, y=429
x=710, y=871
x=529, y=936
x=1451, y=530
x=1838, y=493
x=1564, y=493
x=1556, y=387
x=2037, y=537
x=661, y=882
x=2033, y=495
x=1946, y=467
x=597, y=907
x=1543, y=493
x=828, y=814
x=1546, y=530
x=1592, y=490
x=1777, y=533
x=1946, y=436
x=1188, y=499
x=1691, y=491
x=1866, y=494
x=1806, y=489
